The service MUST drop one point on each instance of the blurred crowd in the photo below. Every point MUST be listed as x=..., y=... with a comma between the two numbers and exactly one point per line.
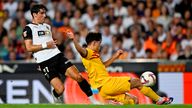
x=147, y=29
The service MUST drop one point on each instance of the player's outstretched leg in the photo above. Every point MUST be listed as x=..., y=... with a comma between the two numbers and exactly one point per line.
x=147, y=91
x=57, y=92
x=84, y=85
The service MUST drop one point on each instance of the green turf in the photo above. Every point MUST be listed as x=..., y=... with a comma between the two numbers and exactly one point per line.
x=91, y=106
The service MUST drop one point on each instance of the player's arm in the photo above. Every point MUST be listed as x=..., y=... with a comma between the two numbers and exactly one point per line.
x=30, y=47
x=82, y=51
x=27, y=35
x=34, y=48
x=113, y=58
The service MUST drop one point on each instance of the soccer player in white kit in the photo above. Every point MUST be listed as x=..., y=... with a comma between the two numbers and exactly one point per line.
x=38, y=40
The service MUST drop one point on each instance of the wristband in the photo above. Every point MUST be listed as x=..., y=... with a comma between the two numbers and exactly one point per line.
x=44, y=45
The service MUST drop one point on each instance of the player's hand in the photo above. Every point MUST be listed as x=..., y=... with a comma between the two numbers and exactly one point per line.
x=71, y=35
x=51, y=44
x=118, y=53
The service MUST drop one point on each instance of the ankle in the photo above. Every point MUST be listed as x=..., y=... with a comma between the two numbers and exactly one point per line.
x=160, y=99
x=55, y=93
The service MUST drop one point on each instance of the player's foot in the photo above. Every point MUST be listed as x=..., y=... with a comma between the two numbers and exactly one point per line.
x=57, y=99
x=165, y=100
x=94, y=101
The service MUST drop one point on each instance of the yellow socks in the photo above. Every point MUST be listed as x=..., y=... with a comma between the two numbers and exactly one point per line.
x=147, y=91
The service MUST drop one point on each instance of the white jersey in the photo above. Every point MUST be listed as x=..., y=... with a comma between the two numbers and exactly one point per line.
x=40, y=33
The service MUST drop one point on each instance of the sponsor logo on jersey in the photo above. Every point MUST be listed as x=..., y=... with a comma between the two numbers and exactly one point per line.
x=43, y=33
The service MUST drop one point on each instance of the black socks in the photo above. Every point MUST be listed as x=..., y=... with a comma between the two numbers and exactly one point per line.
x=55, y=93
x=85, y=87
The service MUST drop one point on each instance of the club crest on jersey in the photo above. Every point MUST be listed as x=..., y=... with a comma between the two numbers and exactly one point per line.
x=24, y=33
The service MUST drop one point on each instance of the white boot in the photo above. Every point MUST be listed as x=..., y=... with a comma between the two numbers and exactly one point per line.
x=94, y=101
x=57, y=99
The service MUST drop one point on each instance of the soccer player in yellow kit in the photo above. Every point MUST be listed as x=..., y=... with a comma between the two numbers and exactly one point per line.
x=110, y=88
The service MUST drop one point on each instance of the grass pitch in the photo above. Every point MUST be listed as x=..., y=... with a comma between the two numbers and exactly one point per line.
x=91, y=106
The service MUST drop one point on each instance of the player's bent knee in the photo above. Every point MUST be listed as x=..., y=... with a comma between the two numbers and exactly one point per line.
x=135, y=83
x=131, y=99
x=57, y=85
x=59, y=89
x=74, y=74
x=79, y=78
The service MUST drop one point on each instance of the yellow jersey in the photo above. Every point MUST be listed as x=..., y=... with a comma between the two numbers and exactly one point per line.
x=97, y=72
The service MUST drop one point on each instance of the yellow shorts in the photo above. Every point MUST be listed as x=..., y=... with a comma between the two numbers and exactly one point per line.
x=115, y=89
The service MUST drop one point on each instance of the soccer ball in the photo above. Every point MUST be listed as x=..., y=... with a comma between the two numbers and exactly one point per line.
x=148, y=78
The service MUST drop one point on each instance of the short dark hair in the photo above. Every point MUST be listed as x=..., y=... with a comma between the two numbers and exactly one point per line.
x=36, y=8
x=93, y=36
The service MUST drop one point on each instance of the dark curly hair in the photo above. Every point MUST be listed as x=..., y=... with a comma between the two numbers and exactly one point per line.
x=93, y=36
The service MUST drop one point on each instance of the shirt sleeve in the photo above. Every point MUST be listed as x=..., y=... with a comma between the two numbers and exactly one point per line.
x=27, y=33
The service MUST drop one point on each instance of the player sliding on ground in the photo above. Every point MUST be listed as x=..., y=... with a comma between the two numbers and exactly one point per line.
x=111, y=88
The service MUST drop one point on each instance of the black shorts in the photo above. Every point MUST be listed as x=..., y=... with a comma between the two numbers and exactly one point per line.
x=55, y=66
